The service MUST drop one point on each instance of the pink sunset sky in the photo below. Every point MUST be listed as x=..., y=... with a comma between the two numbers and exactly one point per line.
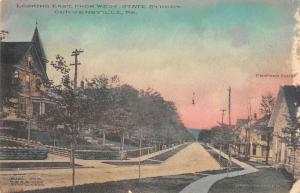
x=202, y=47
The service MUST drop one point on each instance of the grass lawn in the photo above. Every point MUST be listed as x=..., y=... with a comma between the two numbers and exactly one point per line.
x=6, y=143
x=153, y=160
x=264, y=181
x=34, y=165
x=220, y=159
x=166, y=184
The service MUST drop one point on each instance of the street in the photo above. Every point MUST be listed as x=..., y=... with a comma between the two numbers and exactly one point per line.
x=194, y=158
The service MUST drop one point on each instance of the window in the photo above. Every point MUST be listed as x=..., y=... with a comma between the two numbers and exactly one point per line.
x=263, y=137
x=16, y=74
x=22, y=105
x=36, y=108
x=15, y=77
x=264, y=151
x=27, y=78
x=38, y=85
x=254, y=150
x=29, y=60
x=27, y=82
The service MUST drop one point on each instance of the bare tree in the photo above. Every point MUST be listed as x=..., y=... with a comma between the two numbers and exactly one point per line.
x=266, y=109
x=267, y=105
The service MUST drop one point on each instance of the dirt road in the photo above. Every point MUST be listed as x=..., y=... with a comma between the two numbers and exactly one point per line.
x=193, y=158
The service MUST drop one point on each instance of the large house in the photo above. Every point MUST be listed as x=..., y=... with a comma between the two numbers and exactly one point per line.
x=286, y=110
x=25, y=63
x=253, y=142
x=261, y=137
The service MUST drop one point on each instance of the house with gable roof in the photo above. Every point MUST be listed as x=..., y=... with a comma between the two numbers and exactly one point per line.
x=25, y=63
x=253, y=142
x=287, y=106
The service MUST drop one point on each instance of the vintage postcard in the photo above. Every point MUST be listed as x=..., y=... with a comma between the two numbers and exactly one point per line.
x=173, y=96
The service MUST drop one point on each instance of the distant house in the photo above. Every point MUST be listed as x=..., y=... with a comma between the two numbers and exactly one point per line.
x=287, y=104
x=241, y=122
x=253, y=140
x=242, y=142
x=27, y=61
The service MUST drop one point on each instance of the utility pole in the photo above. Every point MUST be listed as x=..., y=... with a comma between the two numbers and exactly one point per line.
x=223, y=114
x=140, y=154
x=222, y=127
x=75, y=53
x=229, y=127
x=249, y=130
x=229, y=106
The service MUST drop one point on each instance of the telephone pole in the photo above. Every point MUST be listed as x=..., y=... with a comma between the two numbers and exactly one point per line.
x=76, y=53
x=141, y=135
x=223, y=114
x=248, y=131
x=229, y=106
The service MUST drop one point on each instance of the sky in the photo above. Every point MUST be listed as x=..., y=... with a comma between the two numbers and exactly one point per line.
x=198, y=46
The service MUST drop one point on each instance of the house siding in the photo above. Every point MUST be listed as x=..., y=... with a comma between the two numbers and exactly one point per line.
x=279, y=145
x=283, y=155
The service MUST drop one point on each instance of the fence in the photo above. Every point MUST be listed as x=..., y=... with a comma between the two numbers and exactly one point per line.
x=81, y=154
x=23, y=153
x=98, y=155
x=136, y=152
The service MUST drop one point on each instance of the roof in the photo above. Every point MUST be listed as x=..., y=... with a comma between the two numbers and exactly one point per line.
x=292, y=96
x=241, y=122
x=12, y=52
x=289, y=94
x=38, y=44
x=262, y=122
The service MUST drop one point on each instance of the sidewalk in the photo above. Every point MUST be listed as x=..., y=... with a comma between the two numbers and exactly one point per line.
x=203, y=185
x=296, y=187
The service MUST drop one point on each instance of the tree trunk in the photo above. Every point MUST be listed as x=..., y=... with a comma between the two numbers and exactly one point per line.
x=220, y=153
x=294, y=164
x=103, y=137
x=268, y=150
x=229, y=155
x=122, y=145
x=73, y=151
x=73, y=166
x=140, y=154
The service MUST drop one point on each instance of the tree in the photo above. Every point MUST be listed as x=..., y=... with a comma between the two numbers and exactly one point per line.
x=267, y=105
x=11, y=87
x=67, y=109
x=292, y=132
x=266, y=109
